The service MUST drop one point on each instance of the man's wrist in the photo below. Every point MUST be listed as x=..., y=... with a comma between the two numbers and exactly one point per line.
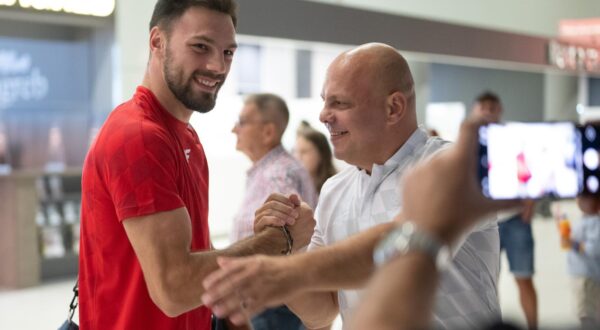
x=288, y=240
x=443, y=231
x=408, y=238
x=276, y=242
x=446, y=232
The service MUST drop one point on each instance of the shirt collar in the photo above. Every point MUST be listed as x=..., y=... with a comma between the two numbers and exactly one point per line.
x=417, y=139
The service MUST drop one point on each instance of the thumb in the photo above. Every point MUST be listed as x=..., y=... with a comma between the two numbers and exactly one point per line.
x=223, y=261
x=295, y=199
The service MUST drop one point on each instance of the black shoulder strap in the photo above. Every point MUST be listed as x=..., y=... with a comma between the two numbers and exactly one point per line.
x=74, y=301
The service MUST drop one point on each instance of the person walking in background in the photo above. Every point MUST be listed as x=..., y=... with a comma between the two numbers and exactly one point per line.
x=583, y=260
x=261, y=124
x=516, y=236
x=313, y=151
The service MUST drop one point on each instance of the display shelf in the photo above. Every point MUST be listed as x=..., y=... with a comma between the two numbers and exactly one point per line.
x=40, y=226
x=57, y=221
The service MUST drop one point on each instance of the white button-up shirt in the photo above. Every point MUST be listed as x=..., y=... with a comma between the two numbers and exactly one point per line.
x=353, y=201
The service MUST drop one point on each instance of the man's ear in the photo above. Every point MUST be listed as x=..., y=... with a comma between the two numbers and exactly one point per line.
x=396, y=105
x=158, y=41
x=269, y=133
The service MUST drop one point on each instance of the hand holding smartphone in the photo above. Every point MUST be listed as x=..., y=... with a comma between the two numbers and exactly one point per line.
x=534, y=160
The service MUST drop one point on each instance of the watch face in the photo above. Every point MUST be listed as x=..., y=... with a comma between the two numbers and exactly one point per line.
x=401, y=242
x=405, y=238
x=444, y=257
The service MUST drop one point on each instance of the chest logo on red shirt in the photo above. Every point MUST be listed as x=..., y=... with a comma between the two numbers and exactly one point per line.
x=187, y=154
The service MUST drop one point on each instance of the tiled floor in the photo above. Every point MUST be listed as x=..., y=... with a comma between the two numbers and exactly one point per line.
x=45, y=307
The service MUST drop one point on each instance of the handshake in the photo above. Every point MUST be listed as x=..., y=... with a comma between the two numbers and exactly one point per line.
x=245, y=286
x=289, y=213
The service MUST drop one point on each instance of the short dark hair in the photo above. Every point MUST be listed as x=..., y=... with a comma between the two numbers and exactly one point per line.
x=167, y=11
x=488, y=96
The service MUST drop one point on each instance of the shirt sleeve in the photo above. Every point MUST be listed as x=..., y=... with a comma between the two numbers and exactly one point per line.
x=141, y=173
x=318, y=239
x=295, y=181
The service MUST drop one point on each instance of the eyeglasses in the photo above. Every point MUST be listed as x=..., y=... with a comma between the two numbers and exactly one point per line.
x=241, y=122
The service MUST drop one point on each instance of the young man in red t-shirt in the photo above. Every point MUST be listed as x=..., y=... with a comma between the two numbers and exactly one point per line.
x=145, y=246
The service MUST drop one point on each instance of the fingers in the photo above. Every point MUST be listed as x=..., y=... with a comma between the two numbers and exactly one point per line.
x=217, y=284
x=278, y=210
x=233, y=290
x=295, y=199
x=283, y=211
x=276, y=197
x=499, y=205
x=261, y=223
x=468, y=138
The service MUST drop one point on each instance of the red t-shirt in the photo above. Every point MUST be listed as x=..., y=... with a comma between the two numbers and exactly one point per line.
x=143, y=161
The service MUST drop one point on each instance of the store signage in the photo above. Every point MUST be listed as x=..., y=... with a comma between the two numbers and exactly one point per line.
x=100, y=8
x=580, y=31
x=19, y=79
x=571, y=57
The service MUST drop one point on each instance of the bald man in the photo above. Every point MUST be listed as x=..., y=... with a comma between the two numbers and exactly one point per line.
x=370, y=113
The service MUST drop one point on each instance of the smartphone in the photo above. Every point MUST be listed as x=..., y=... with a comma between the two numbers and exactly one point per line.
x=535, y=160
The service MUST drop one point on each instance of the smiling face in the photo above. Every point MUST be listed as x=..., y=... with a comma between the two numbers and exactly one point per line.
x=198, y=55
x=354, y=111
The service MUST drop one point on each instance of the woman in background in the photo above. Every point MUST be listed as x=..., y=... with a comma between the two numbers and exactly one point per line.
x=313, y=151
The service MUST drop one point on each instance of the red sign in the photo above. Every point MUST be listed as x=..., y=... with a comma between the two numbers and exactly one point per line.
x=583, y=32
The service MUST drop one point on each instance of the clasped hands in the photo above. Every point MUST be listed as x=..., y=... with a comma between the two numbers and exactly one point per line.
x=245, y=286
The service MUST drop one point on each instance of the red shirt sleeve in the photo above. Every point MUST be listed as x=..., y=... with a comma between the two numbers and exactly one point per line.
x=141, y=171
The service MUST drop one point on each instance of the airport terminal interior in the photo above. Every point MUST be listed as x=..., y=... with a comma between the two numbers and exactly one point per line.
x=65, y=66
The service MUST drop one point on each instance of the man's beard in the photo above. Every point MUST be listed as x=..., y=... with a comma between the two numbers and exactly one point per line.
x=200, y=101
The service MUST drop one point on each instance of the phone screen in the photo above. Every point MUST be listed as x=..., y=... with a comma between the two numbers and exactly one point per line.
x=531, y=160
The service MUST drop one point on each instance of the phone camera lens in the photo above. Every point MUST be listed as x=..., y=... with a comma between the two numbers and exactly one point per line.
x=592, y=184
x=590, y=159
x=590, y=133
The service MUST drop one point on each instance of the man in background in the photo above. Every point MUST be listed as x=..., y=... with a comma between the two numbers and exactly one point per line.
x=261, y=124
x=516, y=236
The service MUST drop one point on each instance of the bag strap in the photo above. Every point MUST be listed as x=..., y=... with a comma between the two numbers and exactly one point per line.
x=74, y=302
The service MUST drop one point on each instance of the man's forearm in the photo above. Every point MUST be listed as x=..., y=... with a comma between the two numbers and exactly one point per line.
x=347, y=264
x=184, y=281
x=270, y=241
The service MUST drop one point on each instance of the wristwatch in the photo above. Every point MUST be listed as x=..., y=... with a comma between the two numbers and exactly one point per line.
x=404, y=238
